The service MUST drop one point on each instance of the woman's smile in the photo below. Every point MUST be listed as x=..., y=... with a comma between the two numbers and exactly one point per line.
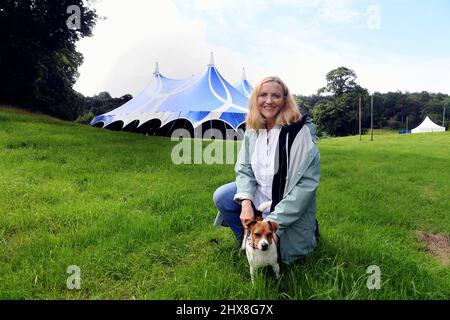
x=270, y=101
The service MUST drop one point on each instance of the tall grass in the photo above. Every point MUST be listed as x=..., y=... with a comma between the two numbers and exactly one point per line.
x=140, y=227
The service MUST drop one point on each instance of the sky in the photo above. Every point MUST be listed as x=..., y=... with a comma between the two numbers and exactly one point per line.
x=390, y=44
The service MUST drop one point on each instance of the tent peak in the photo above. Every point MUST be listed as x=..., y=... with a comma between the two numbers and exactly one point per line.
x=211, y=61
x=156, y=72
x=244, y=76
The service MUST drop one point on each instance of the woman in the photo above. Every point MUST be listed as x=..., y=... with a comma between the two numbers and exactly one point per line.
x=279, y=162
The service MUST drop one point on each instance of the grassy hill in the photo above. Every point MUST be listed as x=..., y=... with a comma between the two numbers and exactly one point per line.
x=140, y=227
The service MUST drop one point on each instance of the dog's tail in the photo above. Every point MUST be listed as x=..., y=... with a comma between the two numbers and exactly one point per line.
x=263, y=206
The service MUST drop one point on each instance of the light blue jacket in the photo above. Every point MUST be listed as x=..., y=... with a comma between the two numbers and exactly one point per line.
x=296, y=212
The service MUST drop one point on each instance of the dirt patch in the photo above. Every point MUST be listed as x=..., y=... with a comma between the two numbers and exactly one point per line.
x=438, y=245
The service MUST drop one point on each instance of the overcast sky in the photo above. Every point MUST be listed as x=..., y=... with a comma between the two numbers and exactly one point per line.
x=390, y=44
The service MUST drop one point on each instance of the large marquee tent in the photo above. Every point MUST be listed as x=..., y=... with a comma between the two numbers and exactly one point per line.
x=428, y=126
x=198, y=103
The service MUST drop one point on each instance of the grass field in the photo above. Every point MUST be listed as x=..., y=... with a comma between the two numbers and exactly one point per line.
x=140, y=227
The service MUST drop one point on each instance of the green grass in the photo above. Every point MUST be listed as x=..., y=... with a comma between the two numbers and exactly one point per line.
x=140, y=227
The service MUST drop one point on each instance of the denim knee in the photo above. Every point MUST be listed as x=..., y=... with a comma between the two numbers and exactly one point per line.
x=217, y=198
x=224, y=198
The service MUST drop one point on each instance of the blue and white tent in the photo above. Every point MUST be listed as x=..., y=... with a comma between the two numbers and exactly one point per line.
x=198, y=103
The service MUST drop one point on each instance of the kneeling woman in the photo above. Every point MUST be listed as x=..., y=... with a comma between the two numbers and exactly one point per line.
x=279, y=162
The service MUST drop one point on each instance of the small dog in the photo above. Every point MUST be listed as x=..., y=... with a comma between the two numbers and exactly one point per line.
x=261, y=243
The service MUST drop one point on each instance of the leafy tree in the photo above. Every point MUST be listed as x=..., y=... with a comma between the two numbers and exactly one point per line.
x=308, y=102
x=85, y=118
x=102, y=103
x=338, y=115
x=39, y=61
x=340, y=81
x=434, y=108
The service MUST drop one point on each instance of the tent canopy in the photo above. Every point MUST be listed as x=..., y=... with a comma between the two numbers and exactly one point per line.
x=428, y=126
x=191, y=102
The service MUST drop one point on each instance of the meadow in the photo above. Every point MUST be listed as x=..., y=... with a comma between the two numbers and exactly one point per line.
x=139, y=226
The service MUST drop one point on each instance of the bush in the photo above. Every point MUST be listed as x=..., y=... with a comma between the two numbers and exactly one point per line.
x=85, y=118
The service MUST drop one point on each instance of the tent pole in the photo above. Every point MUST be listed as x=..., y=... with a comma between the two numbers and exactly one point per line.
x=371, y=118
x=169, y=133
x=184, y=125
x=224, y=136
x=359, y=118
x=443, y=118
x=210, y=123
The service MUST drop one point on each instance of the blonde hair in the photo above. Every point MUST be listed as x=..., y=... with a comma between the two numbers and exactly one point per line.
x=288, y=114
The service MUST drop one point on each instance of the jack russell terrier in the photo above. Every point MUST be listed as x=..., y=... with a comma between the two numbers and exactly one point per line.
x=261, y=243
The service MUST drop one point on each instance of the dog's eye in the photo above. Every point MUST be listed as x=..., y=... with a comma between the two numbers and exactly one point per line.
x=269, y=234
x=257, y=234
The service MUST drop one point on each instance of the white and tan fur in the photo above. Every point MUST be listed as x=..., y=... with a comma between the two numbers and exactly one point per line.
x=260, y=244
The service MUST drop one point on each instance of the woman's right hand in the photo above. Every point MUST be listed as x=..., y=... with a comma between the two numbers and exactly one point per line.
x=247, y=213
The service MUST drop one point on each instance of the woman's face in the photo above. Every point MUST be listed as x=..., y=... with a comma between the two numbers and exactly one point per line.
x=270, y=100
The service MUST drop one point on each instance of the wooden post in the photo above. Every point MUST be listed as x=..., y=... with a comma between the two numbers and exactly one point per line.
x=359, y=118
x=443, y=118
x=371, y=118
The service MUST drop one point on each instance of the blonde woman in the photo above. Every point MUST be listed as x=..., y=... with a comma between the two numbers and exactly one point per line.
x=278, y=162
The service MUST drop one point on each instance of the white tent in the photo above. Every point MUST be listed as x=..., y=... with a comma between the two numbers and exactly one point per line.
x=428, y=126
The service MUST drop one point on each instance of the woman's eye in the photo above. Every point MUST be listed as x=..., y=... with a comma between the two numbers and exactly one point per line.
x=257, y=234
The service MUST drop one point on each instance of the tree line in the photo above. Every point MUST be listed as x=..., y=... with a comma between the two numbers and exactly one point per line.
x=335, y=107
x=100, y=104
x=38, y=58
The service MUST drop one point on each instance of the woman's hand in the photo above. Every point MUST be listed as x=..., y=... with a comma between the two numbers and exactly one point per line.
x=247, y=213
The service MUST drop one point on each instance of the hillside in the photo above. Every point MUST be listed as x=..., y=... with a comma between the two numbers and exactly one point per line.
x=139, y=226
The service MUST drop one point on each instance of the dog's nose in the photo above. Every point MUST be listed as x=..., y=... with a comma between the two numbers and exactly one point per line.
x=264, y=246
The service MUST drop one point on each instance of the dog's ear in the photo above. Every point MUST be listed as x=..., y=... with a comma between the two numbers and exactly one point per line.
x=273, y=225
x=250, y=224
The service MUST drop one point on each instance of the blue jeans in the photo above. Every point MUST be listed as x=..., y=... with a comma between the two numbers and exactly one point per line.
x=223, y=199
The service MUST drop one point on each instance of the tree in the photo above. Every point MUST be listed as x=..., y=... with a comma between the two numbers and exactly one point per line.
x=434, y=108
x=338, y=115
x=340, y=81
x=39, y=63
x=102, y=103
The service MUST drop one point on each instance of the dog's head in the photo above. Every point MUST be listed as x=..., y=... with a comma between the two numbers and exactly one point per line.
x=262, y=233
